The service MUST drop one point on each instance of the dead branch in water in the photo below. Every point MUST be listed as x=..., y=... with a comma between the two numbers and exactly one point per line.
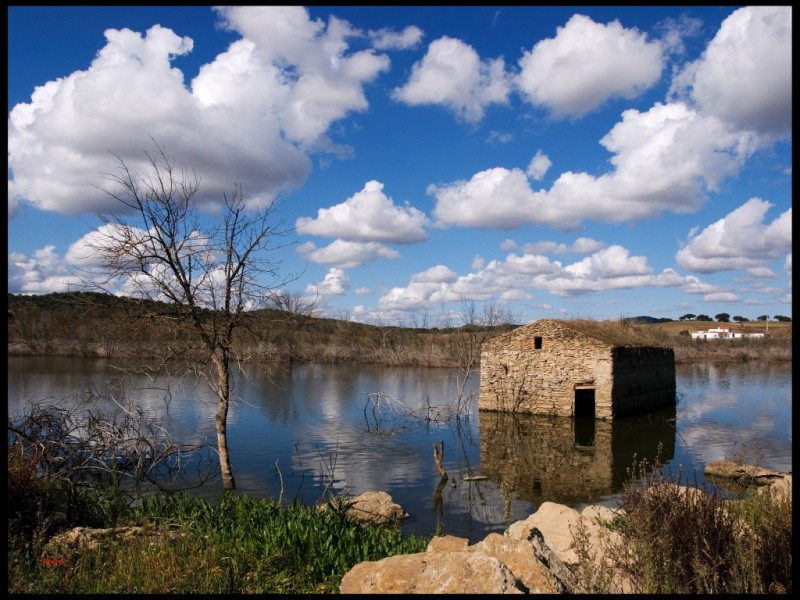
x=438, y=455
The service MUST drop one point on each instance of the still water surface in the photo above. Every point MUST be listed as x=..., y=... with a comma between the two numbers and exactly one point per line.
x=301, y=430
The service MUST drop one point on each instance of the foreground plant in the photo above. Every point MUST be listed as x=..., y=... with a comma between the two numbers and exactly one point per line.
x=685, y=540
x=84, y=469
x=69, y=467
x=240, y=545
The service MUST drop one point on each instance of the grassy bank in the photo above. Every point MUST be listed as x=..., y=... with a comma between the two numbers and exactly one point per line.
x=89, y=325
x=672, y=542
x=240, y=545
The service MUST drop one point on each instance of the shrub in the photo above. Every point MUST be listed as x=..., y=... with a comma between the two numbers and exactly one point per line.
x=686, y=539
x=68, y=468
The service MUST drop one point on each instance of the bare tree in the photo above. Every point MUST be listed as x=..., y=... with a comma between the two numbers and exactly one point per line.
x=467, y=341
x=294, y=303
x=208, y=276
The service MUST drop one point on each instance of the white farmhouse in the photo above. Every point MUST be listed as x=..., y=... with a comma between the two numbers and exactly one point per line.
x=723, y=333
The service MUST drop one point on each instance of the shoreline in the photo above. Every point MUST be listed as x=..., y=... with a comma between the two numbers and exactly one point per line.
x=717, y=352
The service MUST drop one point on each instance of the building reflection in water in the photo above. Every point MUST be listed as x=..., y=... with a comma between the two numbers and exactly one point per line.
x=570, y=461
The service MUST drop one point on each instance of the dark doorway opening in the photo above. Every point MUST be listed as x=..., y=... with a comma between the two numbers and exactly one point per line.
x=584, y=402
x=584, y=417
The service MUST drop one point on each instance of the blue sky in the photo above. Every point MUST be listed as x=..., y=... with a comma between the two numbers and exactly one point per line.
x=595, y=162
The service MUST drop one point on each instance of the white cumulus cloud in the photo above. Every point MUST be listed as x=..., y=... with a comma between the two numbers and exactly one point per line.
x=385, y=39
x=346, y=255
x=745, y=75
x=539, y=165
x=665, y=159
x=367, y=216
x=251, y=115
x=740, y=240
x=586, y=64
x=452, y=74
x=336, y=283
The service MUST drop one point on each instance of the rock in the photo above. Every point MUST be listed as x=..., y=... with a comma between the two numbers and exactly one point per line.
x=536, y=556
x=742, y=473
x=741, y=477
x=371, y=507
x=554, y=521
x=558, y=525
x=81, y=539
x=435, y=572
x=447, y=543
x=520, y=559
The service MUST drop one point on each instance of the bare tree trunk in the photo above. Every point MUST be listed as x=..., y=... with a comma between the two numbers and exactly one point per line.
x=223, y=402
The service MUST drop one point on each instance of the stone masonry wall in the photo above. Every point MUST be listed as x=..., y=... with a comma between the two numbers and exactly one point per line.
x=537, y=368
x=518, y=377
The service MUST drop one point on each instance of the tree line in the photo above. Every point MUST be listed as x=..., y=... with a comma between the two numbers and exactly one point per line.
x=726, y=318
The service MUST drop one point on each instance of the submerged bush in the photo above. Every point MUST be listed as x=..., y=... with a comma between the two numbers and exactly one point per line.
x=69, y=467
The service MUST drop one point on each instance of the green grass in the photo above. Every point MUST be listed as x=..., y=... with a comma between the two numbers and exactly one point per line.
x=240, y=545
x=188, y=545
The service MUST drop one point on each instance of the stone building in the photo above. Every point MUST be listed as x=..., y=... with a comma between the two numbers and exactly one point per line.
x=575, y=368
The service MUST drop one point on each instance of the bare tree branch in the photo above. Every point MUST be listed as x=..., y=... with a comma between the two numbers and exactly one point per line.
x=209, y=275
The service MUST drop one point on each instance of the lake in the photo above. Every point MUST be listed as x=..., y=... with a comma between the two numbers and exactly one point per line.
x=303, y=431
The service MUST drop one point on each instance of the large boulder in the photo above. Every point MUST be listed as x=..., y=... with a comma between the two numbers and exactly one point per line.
x=539, y=555
x=435, y=572
x=555, y=521
x=575, y=545
x=533, y=576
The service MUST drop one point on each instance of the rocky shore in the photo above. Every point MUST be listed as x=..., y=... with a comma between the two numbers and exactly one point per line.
x=556, y=550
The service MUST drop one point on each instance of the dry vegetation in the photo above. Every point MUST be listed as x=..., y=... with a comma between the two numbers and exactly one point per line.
x=777, y=346
x=93, y=325
x=673, y=538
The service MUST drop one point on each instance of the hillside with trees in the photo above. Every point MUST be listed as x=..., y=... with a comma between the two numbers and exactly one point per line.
x=89, y=324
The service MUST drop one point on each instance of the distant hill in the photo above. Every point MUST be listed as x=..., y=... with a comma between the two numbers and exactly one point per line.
x=101, y=325
x=643, y=319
